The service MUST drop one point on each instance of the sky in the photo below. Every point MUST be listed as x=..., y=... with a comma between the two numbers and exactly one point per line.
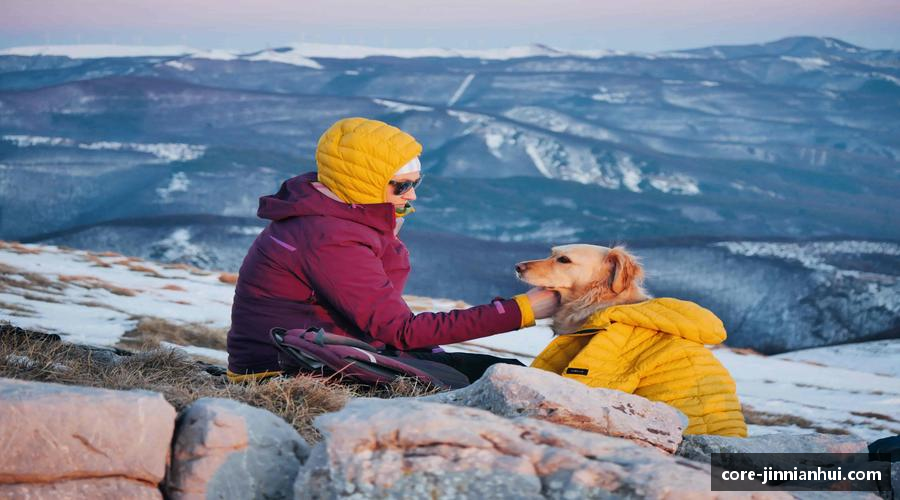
x=634, y=25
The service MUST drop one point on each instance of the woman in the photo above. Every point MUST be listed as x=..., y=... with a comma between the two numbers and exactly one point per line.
x=330, y=258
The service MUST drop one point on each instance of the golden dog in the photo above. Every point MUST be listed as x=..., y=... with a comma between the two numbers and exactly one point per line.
x=610, y=333
x=588, y=278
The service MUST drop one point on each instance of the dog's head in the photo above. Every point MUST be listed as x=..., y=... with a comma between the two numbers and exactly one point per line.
x=587, y=273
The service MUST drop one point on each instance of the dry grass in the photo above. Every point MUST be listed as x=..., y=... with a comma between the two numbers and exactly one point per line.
x=41, y=298
x=174, y=288
x=128, y=261
x=877, y=416
x=19, y=248
x=230, y=278
x=181, y=380
x=97, y=261
x=17, y=309
x=26, y=281
x=151, y=331
x=756, y=417
x=144, y=269
x=93, y=282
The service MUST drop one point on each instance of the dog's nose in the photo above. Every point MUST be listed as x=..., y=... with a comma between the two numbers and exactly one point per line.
x=520, y=268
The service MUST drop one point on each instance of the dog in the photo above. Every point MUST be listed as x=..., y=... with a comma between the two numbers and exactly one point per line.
x=609, y=332
x=588, y=279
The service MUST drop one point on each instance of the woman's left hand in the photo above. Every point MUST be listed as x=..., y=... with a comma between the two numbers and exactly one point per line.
x=544, y=302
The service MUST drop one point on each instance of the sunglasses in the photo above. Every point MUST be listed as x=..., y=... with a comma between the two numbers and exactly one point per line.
x=401, y=187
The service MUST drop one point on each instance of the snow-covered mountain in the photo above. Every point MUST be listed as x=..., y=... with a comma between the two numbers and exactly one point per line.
x=759, y=179
x=777, y=139
x=95, y=298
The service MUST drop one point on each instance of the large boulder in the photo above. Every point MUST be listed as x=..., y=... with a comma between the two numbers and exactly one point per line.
x=414, y=449
x=79, y=489
x=60, y=441
x=227, y=449
x=513, y=391
x=701, y=447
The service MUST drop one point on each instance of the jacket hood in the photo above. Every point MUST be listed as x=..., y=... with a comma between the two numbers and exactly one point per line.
x=672, y=316
x=356, y=157
x=297, y=197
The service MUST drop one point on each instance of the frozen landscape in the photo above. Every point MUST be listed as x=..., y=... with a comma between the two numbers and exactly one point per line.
x=96, y=298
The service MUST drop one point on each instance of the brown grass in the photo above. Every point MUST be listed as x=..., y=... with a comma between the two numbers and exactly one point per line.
x=877, y=416
x=17, y=309
x=144, y=269
x=94, y=303
x=127, y=261
x=181, y=380
x=93, y=282
x=174, y=288
x=230, y=278
x=97, y=261
x=756, y=417
x=19, y=248
x=41, y=298
x=28, y=281
x=107, y=254
x=151, y=331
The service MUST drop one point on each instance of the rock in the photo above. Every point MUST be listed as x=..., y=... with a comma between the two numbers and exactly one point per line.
x=700, y=447
x=56, y=437
x=78, y=489
x=408, y=448
x=511, y=391
x=227, y=449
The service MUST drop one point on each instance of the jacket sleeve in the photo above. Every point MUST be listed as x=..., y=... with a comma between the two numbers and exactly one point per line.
x=349, y=276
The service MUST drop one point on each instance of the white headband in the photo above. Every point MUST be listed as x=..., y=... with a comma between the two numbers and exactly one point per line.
x=413, y=166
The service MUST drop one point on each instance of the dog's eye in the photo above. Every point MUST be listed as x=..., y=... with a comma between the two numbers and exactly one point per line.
x=563, y=260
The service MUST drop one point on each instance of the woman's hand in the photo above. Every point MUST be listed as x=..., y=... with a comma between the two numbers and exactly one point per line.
x=544, y=302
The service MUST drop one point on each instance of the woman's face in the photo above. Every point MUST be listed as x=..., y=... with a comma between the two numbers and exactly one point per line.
x=400, y=201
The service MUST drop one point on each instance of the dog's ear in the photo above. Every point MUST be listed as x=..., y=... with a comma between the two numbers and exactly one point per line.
x=623, y=270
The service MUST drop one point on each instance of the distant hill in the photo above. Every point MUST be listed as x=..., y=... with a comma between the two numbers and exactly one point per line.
x=795, y=138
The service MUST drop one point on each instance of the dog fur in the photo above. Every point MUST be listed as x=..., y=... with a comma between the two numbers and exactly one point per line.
x=588, y=278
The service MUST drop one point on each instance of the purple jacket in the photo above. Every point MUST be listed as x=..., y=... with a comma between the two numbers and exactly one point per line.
x=327, y=264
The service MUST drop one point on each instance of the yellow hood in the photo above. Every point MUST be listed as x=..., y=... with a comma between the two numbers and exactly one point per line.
x=356, y=157
x=672, y=316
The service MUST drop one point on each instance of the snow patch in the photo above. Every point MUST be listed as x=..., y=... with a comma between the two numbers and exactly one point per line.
x=604, y=95
x=400, y=107
x=461, y=90
x=177, y=247
x=810, y=255
x=674, y=184
x=166, y=152
x=631, y=174
x=181, y=66
x=284, y=57
x=178, y=183
x=807, y=63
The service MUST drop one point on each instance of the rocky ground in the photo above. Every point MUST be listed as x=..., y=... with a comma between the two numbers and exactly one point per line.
x=181, y=431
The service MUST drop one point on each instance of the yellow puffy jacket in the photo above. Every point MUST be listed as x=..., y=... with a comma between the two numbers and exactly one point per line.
x=654, y=349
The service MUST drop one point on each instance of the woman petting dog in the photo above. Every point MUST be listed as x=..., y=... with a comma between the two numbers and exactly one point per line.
x=330, y=258
x=610, y=333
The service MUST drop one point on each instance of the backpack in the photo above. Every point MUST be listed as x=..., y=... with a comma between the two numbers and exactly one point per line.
x=316, y=351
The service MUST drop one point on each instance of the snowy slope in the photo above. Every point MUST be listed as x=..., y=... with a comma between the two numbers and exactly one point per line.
x=96, y=297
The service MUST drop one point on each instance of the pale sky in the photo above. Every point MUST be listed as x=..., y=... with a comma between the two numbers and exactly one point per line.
x=640, y=25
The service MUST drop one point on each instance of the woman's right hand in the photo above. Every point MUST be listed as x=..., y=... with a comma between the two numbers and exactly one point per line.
x=544, y=302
